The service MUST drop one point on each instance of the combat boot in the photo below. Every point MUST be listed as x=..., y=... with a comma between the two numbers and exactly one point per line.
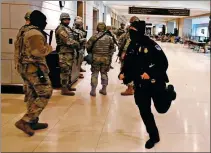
x=38, y=126
x=93, y=92
x=65, y=91
x=82, y=70
x=25, y=127
x=103, y=90
x=129, y=91
x=81, y=76
x=152, y=141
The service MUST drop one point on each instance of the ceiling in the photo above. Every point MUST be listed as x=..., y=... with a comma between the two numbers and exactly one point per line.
x=196, y=8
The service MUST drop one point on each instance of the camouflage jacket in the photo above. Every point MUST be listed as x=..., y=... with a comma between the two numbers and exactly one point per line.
x=17, y=44
x=114, y=40
x=66, y=39
x=33, y=48
x=123, y=41
x=103, y=47
x=119, y=32
x=82, y=36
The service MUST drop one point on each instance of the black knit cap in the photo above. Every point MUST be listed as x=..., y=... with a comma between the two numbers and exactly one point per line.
x=140, y=26
x=38, y=19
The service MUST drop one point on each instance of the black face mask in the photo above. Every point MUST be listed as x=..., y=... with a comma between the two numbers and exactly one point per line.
x=138, y=37
x=65, y=24
x=134, y=35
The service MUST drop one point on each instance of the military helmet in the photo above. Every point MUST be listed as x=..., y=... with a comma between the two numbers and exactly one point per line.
x=78, y=20
x=108, y=28
x=134, y=18
x=27, y=15
x=101, y=26
x=64, y=16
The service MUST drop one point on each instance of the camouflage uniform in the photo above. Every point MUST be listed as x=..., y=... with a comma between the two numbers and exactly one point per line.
x=120, y=31
x=109, y=28
x=67, y=52
x=124, y=42
x=102, y=54
x=78, y=28
x=30, y=50
x=38, y=93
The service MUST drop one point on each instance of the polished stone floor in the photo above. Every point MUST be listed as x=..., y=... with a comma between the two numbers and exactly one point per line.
x=112, y=123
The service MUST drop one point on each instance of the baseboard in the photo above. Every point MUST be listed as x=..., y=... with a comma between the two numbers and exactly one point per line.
x=18, y=88
x=12, y=89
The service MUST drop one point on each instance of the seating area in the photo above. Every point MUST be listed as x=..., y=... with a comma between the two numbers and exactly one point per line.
x=196, y=43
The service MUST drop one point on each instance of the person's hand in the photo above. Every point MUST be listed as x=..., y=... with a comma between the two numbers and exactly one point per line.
x=121, y=76
x=145, y=76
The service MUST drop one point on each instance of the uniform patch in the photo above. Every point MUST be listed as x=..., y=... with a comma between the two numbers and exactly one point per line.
x=153, y=81
x=158, y=47
x=145, y=50
x=63, y=33
x=139, y=49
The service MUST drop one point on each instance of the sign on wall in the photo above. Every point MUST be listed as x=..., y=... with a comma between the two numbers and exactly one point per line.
x=159, y=11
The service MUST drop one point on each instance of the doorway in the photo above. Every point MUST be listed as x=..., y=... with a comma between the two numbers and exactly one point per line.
x=95, y=20
x=80, y=9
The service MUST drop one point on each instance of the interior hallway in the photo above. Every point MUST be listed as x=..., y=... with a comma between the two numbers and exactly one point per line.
x=112, y=122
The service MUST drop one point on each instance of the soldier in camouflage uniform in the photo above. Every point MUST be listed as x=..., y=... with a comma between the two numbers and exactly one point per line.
x=109, y=28
x=102, y=53
x=121, y=30
x=123, y=43
x=32, y=47
x=66, y=46
x=78, y=28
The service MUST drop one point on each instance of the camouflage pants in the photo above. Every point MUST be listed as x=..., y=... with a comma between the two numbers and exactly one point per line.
x=37, y=95
x=102, y=65
x=66, y=62
x=81, y=56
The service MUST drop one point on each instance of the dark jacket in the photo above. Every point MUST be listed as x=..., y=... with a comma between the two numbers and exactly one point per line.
x=145, y=57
